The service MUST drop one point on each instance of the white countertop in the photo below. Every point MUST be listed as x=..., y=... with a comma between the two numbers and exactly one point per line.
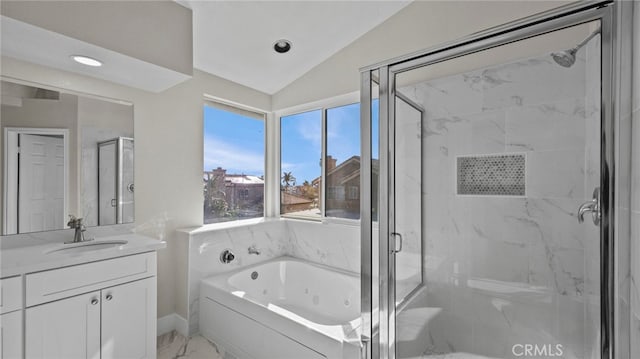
x=34, y=258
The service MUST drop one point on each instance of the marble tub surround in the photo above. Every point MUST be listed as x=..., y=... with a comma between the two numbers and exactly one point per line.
x=17, y=260
x=511, y=269
x=332, y=244
x=283, y=308
x=206, y=243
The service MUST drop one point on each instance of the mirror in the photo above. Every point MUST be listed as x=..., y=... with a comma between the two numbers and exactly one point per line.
x=64, y=154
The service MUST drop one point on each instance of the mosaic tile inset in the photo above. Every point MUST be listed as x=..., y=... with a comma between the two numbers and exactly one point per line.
x=495, y=175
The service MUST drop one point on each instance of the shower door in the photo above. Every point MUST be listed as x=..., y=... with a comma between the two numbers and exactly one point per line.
x=115, y=181
x=494, y=162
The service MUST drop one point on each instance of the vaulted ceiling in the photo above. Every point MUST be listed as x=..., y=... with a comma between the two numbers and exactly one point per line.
x=234, y=39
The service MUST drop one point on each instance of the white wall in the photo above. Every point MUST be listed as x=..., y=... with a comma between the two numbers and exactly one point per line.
x=126, y=27
x=169, y=145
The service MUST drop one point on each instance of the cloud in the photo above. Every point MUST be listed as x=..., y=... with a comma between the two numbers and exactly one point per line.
x=310, y=129
x=343, y=133
x=218, y=153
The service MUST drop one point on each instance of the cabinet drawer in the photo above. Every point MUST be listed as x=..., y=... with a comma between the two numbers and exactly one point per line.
x=10, y=294
x=60, y=283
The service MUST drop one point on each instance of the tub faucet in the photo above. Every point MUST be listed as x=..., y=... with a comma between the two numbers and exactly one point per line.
x=77, y=224
x=254, y=250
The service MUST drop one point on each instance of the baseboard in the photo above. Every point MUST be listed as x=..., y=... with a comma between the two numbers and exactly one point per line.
x=172, y=322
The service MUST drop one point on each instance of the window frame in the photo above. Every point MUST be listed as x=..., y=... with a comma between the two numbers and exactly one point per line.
x=229, y=106
x=323, y=106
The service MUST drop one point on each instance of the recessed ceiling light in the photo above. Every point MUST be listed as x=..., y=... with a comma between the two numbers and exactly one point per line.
x=282, y=46
x=85, y=60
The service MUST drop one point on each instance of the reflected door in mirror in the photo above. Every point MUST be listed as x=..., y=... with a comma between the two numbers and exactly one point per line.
x=41, y=182
x=35, y=179
x=44, y=181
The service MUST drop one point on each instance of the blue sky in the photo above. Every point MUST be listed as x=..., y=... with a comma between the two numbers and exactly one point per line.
x=301, y=144
x=236, y=143
x=233, y=142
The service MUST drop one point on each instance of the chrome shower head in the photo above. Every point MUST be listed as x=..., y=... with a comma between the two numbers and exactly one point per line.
x=567, y=58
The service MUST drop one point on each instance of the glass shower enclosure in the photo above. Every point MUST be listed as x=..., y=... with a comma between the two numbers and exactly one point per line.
x=115, y=181
x=488, y=164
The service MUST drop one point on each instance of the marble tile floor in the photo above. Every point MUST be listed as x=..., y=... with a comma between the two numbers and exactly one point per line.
x=175, y=346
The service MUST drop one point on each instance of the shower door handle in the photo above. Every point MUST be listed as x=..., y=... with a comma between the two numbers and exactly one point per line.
x=397, y=244
x=592, y=206
x=365, y=342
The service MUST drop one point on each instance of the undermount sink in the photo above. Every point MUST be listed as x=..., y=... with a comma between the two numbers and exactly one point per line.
x=87, y=246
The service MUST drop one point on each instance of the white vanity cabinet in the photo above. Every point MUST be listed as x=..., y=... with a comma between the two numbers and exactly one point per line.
x=11, y=335
x=11, y=317
x=67, y=328
x=129, y=320
x=116, y=322
x=102, y=310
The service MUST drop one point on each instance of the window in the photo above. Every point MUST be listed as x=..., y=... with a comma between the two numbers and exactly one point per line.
x=300, y=164
x=335, y=192
x=343, y=161
x=302, y=138
x=354, y=192
x=233, y=177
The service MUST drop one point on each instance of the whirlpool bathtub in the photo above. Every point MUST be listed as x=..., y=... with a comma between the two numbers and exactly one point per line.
x=285, y=308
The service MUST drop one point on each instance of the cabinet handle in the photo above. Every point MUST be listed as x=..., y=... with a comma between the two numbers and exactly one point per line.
x=109, y=297
x=94, y=301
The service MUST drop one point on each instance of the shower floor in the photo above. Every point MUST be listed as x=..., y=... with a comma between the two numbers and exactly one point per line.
x=415, y=341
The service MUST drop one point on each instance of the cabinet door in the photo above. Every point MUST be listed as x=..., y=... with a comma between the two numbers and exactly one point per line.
x=11, y=335
x=129, y=320
x=66, y=329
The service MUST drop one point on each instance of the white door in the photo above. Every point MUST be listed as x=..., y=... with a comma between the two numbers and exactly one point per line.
x=129, y=320
x=11, y=335
x=41, y=183
x=65, y=329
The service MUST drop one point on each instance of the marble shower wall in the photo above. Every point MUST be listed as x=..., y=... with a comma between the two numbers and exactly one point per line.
x=507, y=270
x=408, y=183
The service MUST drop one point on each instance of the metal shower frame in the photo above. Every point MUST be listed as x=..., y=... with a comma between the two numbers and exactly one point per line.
x=119, y=146
x=378, y=324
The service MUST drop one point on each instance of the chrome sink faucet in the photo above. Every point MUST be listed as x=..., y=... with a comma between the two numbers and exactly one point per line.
x=77, y=224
